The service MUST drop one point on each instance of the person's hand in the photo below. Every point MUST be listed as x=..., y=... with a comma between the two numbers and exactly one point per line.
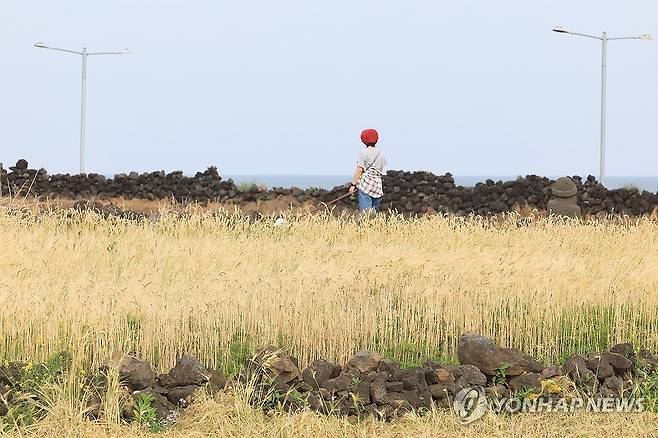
x=352, y=188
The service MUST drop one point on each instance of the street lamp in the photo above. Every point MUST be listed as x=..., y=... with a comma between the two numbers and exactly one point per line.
x=84, y=53
x=604, y=40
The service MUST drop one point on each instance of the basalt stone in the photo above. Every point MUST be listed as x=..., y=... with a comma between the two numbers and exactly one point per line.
x=430, y=377
x=624, y=349
x=497, y=391
x=277, y=364
x=378, y=392
x=394, y=386
x=534, y=366
x=441, y=390
x=281, y=387
x=189, y=371
x=425, y=399
x=319, y=372
x=340, y=383
x=314, y=402
x=376, y=375
x=135, y=373
x=217, y=381
x=438, y=375
x=364, y=361
x=471, y=376
x=615, y=385
x=413, y=399
x=386, y=412
x=390, y=367
x=454, y=370
x=576, y=368
x=4, y=395
x=326, y=395
x=398, y=401
x=373, y=411
x=413, y=379
x=552, y=371
x=599, y=366
x=575, y=365
x=93, y=406
x=166, y=381
x=605, y=393
x=527, y=381
x=21, y=164
x=363, y=391
x=162, y=406
x=617, y=361
x=482, y=352
x=182, y=396
x=11, y=374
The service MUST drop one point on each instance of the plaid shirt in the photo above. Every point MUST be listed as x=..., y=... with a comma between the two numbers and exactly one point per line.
x=371, y=183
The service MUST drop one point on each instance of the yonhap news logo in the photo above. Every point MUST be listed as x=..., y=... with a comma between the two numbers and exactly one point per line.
x=471, y=404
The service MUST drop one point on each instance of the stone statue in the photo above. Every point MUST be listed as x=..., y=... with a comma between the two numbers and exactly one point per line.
x=564, y=202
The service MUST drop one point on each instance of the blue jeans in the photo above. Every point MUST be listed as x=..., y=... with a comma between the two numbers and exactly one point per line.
x=366, y=201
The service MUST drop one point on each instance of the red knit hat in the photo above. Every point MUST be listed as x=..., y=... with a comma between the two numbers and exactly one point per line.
x=369, y=137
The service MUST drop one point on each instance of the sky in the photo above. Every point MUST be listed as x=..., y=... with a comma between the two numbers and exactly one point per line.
x=472, y=87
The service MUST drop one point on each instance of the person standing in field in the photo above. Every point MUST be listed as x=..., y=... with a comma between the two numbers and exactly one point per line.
x=367, y=178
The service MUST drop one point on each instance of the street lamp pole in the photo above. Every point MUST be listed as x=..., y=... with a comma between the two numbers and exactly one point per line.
x=604, y=97
x=83, y=94
x=604, y=79
x=83, y=116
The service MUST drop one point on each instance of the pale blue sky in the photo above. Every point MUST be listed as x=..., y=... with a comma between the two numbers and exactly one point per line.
x=474, y=87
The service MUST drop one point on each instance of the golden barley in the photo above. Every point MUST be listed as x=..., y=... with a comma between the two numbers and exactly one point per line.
x=218, y=286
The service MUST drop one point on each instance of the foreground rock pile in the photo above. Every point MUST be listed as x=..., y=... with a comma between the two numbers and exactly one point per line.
x=406, y=192
x=175, y=389
x=371, y=385
x=368, y=384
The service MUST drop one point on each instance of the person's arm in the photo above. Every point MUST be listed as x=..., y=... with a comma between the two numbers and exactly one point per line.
x=355, y=179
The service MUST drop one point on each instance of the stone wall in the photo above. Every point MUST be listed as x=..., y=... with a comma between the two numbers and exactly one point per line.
x=406, y=192
x=368, y=385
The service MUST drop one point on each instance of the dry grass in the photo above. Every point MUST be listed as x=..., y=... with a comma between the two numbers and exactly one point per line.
x=230, y=418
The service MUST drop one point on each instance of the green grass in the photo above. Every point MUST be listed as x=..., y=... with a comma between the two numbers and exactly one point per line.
x=630, y=187
x=248, y=186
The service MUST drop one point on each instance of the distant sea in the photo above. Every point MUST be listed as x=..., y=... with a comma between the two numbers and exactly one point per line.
x=649, y=183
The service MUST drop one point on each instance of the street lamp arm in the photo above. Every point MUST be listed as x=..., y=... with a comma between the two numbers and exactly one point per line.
x=42, y=46
x=116, y=52
x=628, y=38
x=585, y=35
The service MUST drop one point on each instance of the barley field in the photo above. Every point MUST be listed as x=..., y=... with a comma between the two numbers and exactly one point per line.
x=219, y=285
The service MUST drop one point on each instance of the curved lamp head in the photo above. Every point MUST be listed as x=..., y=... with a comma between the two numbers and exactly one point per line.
x=646, y=37
x=560, y=29
x=40, y=44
